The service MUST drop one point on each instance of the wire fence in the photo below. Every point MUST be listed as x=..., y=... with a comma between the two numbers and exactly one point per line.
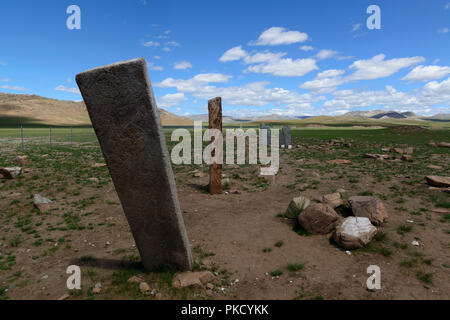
x=24, y=137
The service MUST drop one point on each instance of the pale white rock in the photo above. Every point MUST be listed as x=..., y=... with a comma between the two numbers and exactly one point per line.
x=354, y=233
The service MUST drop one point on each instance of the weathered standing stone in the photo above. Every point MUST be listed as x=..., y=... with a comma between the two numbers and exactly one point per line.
x=10, y=172
x=287, y=137
x=369, y=207
x=354, y=233
x=437, y=181
x=215, y=122
x=318, y=218
x=296, y=206
x=269, y=134
x=281, y=139
x=123, y=111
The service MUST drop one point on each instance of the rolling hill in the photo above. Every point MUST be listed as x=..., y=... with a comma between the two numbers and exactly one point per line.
x=16, y=109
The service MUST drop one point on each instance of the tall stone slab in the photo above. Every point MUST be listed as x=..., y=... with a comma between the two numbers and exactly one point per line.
x=215, y=122
x=281, y=139
x=287, y=137
x=123, y=111
x=269, y=134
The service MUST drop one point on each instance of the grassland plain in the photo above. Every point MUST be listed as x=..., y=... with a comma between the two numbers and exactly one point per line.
x=242, y=235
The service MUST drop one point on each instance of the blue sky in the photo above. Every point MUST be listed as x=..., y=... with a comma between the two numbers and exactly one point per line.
x=262, y=57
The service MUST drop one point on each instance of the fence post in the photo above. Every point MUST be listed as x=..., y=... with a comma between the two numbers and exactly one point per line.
x=21, y=135
x=50, y=135
x=70, y=135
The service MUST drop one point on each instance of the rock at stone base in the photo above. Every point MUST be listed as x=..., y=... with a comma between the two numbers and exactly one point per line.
x=10, y=172
x=438, y=181
x=64, y=297
x=354, y=233
x=296, y=206
x=196, y=279
x=98, y=165
x=43, y=204
x=369, y=207
x=199, y=174
x=318, y=218
x=158, y=296
x=334, y=200
x=22, y=160
x=444, y=144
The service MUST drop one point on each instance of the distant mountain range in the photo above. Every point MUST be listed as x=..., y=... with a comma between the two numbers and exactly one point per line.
x=22, y=109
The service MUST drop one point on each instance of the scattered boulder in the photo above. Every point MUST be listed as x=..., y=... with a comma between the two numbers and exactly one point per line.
x=354, y=233
x=318, y=218
x=199, y=174
x=444, y=144
x=339, y=161
x=407, y=157
x=386, y=149
x=98, y=165
x=189, y=278
x=135, y=279
x=369, y=207
x=43, y=204
x=438, y=181
x=144, y=288
x=10, y=172
x=22, y=160
x=296, y=206
x=334, y=200
x=376, y=156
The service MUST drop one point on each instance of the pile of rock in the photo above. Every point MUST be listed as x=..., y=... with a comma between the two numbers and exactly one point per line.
x=320, y=218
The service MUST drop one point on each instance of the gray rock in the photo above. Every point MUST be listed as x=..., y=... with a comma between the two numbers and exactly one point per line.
x=438, y=181
x=124, y=114
x=369, y=207
x=10, y=172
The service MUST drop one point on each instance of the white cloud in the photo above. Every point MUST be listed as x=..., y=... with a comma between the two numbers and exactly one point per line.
x=279, y=36
x=154, y=67
x=306, y=48
x=377, y=67
x=17, y=88
x=438, y=88
x=172, y=43
x=263, y=57
x=325, y=82
x=426, y=73
x=326, y=54
x=166, y=49
x=151, y=44
x=356, y=27
x=443, y=30
x=193, y=84
x=285, y=67
x=182, y=65
x=67, y=89
x=171, y=99
x=233, y=54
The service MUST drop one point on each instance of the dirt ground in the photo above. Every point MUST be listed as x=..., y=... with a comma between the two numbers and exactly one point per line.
x=240, y=235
